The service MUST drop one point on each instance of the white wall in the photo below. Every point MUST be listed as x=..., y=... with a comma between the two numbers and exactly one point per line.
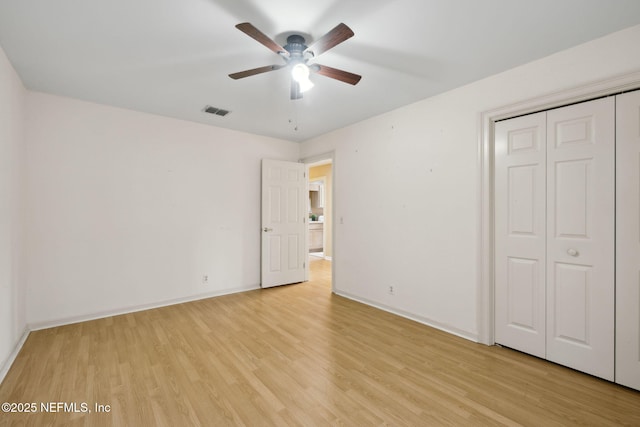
x=127, y=210
x=407, y=186
x=12, y=289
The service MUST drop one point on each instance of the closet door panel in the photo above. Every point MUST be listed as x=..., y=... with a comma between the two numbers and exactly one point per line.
x=628, y=239
x=520, y=233
x=580, y=237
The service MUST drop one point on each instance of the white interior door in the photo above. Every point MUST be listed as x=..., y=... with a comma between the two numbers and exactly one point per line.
x=284, y=190
x=520, y=206
x=580, y=236
x=628, y=239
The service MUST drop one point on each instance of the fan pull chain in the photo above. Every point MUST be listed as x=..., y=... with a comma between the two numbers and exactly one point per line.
x=294, y=122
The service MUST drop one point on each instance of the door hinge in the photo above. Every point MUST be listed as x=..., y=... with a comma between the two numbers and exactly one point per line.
x=304, y=265
x=304, y=220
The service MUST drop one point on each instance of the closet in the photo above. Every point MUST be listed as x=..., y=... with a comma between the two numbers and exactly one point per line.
x=567, y=236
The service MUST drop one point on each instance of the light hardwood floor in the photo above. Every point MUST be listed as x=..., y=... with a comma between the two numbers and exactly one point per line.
x=295, y=355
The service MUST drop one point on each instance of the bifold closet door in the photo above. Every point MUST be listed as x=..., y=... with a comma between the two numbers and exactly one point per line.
x=581, y=236
x=520, y=233
x=628, y=239
x=554, y=235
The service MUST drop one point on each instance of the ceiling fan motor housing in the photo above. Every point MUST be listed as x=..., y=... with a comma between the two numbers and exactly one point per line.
x=295, y=45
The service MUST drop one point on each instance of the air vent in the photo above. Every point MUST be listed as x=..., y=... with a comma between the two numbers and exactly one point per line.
x=217, y=111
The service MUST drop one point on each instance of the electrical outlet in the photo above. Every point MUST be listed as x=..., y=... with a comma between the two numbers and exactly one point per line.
x=392, y=290
x=205, y=279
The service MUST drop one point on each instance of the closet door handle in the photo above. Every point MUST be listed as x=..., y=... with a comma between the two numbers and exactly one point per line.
x=573, y=252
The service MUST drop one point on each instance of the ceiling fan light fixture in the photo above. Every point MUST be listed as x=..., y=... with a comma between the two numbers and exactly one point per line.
x=300, y=73
x=296, y=54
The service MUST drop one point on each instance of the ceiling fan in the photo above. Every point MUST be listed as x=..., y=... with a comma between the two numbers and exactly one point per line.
x=297, y=54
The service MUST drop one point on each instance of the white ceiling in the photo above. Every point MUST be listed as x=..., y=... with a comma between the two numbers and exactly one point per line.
x=172, y=57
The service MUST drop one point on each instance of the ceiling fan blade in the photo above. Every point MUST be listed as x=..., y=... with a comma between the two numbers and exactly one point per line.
x=259, y=36
x=253, y=72
x=295, y=90
x=334, y=73
x=333, y=38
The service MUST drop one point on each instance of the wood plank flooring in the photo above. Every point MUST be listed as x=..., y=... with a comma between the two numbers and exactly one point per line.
x=294, y=355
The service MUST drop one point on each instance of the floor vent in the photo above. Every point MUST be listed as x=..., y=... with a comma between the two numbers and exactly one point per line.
x=217, y=111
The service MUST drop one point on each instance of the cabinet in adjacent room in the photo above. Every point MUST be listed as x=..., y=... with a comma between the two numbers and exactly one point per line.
x=316, y=231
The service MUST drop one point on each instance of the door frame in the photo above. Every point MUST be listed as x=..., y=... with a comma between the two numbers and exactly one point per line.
x=308, y=161
x=485, y=222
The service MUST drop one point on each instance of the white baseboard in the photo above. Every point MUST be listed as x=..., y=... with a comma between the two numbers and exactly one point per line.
x=4, y=369
x=328, y=258
x=411, y=316
x=132, y=309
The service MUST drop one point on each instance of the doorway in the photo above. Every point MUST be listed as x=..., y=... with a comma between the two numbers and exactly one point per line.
x=320, y=173
x=316, y=204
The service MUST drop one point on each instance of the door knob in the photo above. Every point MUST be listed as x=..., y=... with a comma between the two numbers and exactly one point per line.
x=573, y=252
x=267, y=229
